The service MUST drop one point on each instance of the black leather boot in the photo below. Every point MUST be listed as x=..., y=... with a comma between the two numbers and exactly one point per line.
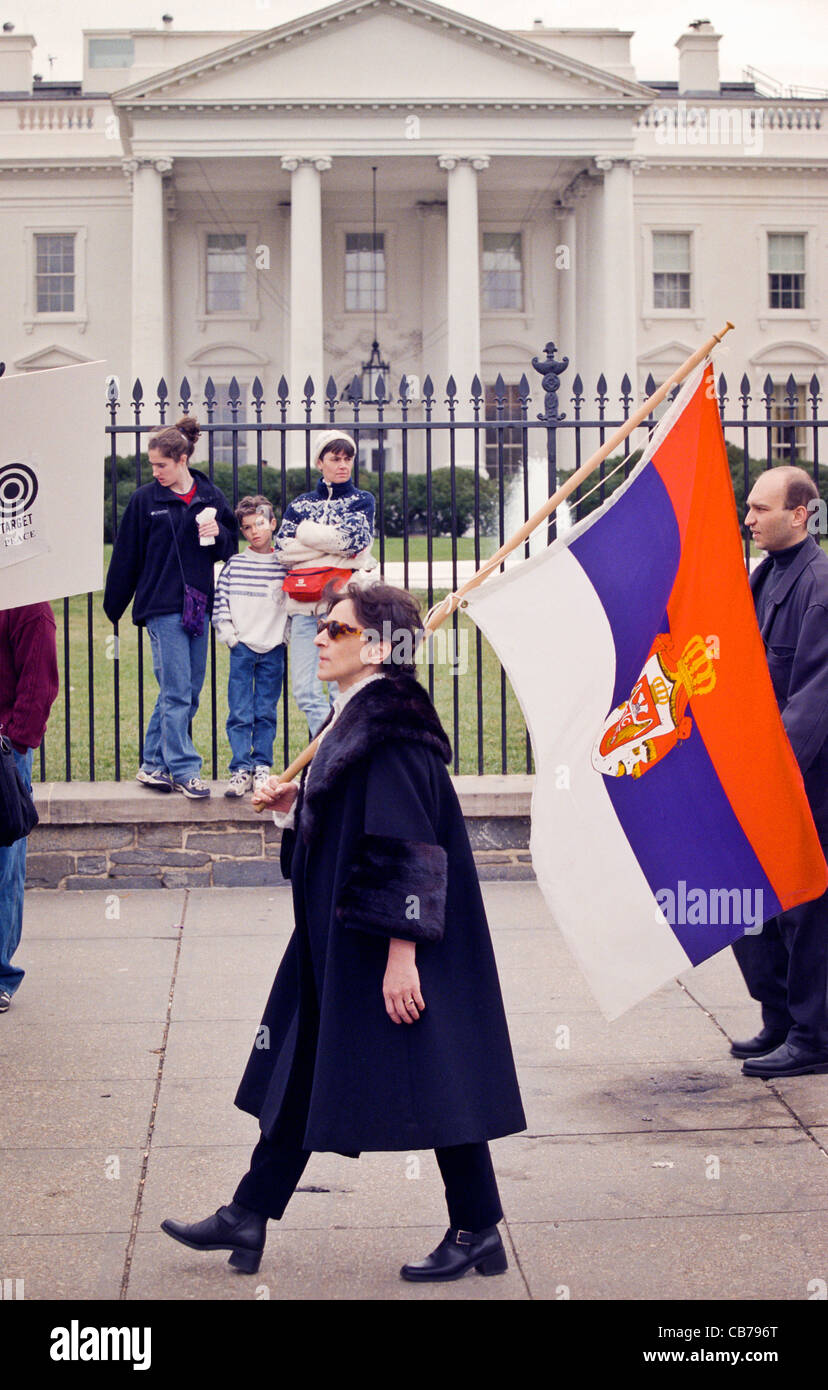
x=458, y=1252
x=765, y=1041
x=230, y=1228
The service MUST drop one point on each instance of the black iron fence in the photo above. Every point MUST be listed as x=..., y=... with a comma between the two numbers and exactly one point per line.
x=453, y=477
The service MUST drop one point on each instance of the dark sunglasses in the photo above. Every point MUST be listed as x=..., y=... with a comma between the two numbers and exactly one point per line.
x=335, y=630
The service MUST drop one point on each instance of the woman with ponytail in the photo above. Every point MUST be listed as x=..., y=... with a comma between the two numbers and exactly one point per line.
x=173, y=531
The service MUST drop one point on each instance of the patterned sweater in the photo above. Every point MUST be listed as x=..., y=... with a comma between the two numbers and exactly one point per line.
x=328, y=528
x=249, y=604
x=338, y=505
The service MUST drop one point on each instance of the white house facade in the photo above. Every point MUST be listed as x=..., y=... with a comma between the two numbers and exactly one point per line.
x=200, y=206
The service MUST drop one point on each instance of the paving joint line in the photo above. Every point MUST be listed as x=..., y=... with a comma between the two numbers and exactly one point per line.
x=136, y=1215
x=786, y=1105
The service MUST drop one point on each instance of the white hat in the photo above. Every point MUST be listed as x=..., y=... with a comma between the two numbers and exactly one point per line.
x=324, y=440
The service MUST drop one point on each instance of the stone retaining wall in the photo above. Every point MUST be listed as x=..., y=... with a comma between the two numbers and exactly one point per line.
x=111, y=836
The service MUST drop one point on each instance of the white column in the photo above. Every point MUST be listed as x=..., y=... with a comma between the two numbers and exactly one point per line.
x=618, y=351
x=433, y=293
x=566, y=270
x=150, y=279
x=463, y=272
x=306, y=353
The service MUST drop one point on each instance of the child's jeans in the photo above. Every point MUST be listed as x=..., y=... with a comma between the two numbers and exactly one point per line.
x=253, y=692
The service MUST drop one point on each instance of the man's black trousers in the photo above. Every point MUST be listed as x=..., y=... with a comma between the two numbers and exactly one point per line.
x=786, y=969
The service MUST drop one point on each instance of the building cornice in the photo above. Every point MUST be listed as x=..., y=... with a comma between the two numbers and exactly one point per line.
x=232, y=105
x=54, y=166
x=501, y=40
x=733, y=166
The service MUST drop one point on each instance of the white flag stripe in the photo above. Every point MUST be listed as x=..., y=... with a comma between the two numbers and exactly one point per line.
x=50, y=426
x=542, y=623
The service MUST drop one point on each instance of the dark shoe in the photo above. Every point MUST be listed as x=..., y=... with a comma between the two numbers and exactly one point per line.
x=786, y=1061
x=231, y=1228
x=158, y=780
x=765, y=1041
x=195, y=789
x=458, y=1252
x=5, y=1000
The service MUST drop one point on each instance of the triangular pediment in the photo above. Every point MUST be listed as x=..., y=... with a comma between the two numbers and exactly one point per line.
x=670, y=354
x=383, y=51
x=52, y=356
x=235, y=355
x=786, y=354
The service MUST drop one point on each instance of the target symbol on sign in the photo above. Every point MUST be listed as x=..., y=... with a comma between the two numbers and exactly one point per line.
x=18, y=488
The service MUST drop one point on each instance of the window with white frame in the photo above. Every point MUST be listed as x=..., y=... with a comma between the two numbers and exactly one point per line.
x=671, y=270
x=111, y=53
x=223, y=415
x=502, y=271
x=789, y=440
x=503, y=442
x=786, y=270
x=365, y=272
x=54, y=272
x=226, y=272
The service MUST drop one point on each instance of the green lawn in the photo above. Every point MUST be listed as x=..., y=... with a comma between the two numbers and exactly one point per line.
x=88, y=638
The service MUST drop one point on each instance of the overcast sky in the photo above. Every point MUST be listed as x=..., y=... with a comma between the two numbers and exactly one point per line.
x=787, y=41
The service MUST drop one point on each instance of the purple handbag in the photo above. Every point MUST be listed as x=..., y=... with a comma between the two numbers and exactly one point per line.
x=194, y=612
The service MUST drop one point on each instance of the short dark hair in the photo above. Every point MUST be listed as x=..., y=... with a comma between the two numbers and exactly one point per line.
x=800, y=489
x=335, y=445
x=252, y=506
x=390, y=614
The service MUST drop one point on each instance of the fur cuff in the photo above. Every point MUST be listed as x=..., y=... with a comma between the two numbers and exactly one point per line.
x=396, y=888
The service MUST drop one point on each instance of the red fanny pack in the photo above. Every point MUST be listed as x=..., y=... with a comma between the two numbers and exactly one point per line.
x=307, y=585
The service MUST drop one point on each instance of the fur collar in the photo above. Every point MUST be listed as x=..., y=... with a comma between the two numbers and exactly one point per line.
x=391, y=708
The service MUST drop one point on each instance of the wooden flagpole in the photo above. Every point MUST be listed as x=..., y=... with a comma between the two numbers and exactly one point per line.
x=443, y=610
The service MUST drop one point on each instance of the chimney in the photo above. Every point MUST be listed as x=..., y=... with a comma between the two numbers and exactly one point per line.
x=699, y=59
x=16, y=62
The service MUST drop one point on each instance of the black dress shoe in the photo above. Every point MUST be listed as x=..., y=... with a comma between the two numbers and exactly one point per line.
x=458, y=1252
x=231, y=1228
x=765, y=1041
x=786, y=1061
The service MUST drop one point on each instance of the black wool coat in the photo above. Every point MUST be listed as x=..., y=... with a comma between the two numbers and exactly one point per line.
x=381, y=850
x=792, y=606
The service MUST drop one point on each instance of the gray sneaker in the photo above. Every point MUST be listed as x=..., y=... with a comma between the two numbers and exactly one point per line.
x=194, y=788
x=240, y=782
x=261, y=776
x=157, y=779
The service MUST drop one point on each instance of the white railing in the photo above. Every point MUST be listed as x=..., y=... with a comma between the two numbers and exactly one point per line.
x=768, y=115
x=51, y=116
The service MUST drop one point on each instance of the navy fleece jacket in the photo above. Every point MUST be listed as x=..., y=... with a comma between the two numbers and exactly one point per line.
x=144, y=561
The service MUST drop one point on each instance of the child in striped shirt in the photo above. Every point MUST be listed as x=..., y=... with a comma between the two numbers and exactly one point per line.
x=249, y=617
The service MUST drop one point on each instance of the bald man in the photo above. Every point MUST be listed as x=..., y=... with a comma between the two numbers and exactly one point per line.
x=786, y=965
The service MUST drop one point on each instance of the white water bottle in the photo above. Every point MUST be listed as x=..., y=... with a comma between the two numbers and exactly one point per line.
x=207, y=514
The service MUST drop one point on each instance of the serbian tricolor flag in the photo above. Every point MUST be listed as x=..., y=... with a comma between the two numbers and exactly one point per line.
x=669, y=815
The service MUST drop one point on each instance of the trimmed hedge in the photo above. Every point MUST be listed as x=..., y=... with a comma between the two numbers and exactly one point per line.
x=296, y=483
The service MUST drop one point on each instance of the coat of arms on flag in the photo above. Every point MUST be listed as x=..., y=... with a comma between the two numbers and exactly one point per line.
x=632, y=646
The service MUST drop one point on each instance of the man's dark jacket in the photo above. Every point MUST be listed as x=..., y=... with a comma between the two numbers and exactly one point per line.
x=144, y=561
x=380, y=851
x=795, y=633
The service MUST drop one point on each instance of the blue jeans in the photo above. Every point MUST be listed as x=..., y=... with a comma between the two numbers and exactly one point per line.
x=12, y=880
x=253, y=691
x=304, y=659
x=179, y=662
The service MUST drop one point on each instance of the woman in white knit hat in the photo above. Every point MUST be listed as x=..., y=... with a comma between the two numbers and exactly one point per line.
x=330, y=529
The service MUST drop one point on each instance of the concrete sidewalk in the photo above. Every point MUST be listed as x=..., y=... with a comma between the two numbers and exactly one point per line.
x=651, y=1168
